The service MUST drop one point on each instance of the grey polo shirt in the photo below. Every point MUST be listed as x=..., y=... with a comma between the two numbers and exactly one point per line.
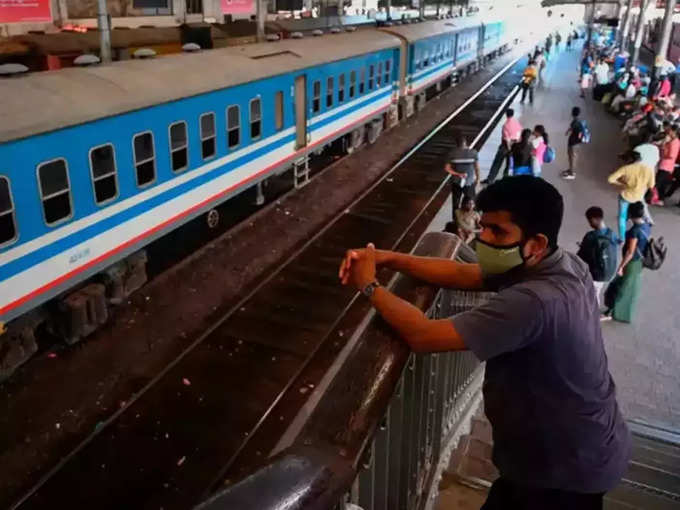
x=547, y=390
x=463, y=161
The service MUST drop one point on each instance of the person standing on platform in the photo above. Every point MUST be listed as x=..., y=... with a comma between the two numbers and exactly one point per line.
x=629, y=275
x=670, y=149
x=574, y=135
x=511, y=132
x=540, y=66
x=599, y=250
x=521, y=154
x=635, y=180
x=463, y=165
x=560, y=440
x=568, y=42
x=558, y=40
x=528, y=84
x=601, y=72
x=539, y=144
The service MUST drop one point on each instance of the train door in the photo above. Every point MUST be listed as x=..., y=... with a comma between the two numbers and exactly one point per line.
x=300, y=111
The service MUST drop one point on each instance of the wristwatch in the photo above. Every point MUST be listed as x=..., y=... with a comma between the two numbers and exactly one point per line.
x=369, y=289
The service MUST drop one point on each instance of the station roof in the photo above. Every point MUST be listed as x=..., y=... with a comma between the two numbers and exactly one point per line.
x=42, y=102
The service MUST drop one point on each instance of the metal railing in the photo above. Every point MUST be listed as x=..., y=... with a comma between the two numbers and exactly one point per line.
x=384, y=427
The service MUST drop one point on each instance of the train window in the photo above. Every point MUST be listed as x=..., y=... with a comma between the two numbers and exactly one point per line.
x=341, y=88
x=233, y=126
x=362, y=80
x=352, y=83
x=388, y=69
x=329, y=92
x=103, y=170
x=378, y=78
x=55, y=191
x=208, y=136
x=426, y=58
x=255, y=118
x=8, y=228
x=278, y=110
x=371, y=74
x=179, y=146
x=145, y=158
x=316, y=98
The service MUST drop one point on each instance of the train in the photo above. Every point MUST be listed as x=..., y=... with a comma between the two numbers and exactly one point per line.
x=99, y=161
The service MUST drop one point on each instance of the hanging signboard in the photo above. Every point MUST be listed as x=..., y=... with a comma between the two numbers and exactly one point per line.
x=25, y=11
x=236, y=6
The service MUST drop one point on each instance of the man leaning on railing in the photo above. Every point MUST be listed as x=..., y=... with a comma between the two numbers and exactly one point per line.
x=560, y=441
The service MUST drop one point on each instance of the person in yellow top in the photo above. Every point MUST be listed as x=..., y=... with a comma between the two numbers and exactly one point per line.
x=635, y=179
x=529, y=78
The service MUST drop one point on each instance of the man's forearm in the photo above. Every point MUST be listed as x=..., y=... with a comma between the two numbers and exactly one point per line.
x=413, y=326
x=437, y=271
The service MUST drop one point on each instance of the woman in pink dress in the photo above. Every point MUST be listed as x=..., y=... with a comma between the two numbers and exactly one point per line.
x=539, y=143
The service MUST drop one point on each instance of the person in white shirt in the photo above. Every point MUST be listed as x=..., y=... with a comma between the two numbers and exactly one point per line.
x=601, y=73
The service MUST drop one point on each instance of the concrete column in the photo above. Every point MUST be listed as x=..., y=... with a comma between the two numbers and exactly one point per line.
x=421, y=8
x=666, y=28
x=104, y=25
x=639, y=30
x=625, y=26
x=261, y=14
x=341, y=9
x=388, y=10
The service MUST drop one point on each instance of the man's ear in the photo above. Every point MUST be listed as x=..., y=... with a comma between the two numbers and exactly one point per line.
x=536, y=249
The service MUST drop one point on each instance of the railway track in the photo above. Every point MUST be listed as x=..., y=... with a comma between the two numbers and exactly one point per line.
x=241, y=389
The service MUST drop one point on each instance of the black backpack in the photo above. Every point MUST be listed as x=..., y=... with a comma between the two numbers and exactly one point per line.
x=605, y=252
x=654, y=254
x=601, y=256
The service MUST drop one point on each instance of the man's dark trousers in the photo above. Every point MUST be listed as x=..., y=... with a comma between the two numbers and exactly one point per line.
x=506, y=495
x=502, y=154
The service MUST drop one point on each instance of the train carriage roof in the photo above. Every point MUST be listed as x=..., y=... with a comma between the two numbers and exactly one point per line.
x=41, y=102
x=417, y=31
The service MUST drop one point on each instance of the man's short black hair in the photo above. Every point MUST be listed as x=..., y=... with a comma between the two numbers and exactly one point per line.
x=534, y=205
x=636, y=211
x=575, y=111
x=510, y=112
x=594, y=212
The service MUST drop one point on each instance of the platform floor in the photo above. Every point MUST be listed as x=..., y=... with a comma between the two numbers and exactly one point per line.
x=644, y=357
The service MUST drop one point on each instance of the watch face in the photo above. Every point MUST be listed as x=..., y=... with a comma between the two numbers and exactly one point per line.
x=369, y=289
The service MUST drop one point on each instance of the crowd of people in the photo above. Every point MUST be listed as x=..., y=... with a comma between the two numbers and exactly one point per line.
x=647, y=173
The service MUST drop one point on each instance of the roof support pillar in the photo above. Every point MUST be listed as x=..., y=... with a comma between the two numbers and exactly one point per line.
x=625, y=26
x=261, y=14
x=639, y=30
x=104, y=25
x=666, y=28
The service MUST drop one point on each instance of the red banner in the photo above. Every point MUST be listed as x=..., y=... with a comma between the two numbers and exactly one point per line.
x=236, y=6
x=25, y=11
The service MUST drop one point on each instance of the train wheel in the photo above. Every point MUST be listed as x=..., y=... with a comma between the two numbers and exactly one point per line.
x=212, y=218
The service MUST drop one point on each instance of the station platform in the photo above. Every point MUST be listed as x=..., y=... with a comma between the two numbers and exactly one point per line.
x=644, y=355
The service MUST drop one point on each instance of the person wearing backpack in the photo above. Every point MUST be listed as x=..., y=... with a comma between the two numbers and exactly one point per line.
x=599, y=249
x=629, y=273
x=577, y=134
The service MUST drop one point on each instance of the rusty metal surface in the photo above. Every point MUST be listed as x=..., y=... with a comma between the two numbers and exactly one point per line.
x=181, y=438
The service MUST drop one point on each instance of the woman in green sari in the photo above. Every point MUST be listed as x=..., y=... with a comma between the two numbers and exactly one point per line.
x=630, y=269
